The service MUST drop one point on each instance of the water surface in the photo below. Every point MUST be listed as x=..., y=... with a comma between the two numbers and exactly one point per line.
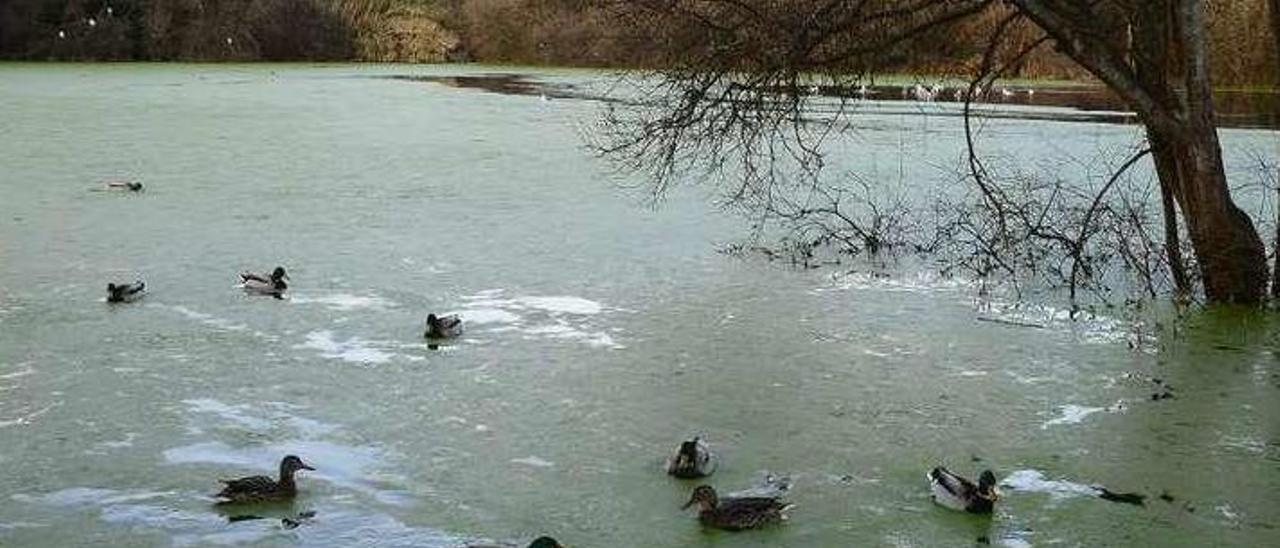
x=600, y=333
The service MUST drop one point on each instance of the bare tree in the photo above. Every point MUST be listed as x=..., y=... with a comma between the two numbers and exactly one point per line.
x=730, y=101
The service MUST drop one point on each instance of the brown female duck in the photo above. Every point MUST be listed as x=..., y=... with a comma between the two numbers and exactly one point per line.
x=736, y=514
x=262, y=488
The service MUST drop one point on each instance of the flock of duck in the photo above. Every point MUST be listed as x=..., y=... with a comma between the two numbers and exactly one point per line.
x=693, y=459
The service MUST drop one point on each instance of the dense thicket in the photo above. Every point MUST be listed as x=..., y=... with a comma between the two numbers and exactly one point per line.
x=218, y=30
x=569, y=32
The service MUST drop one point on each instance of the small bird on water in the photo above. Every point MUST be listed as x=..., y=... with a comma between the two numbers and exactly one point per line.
x=443, y=327
x=958, y=493
x=692, y=460
x=125, y=293
x=736, y=514
x=273, y=285
x=262, y=488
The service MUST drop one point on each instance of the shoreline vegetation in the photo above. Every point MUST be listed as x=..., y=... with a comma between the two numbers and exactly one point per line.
x=540, y=33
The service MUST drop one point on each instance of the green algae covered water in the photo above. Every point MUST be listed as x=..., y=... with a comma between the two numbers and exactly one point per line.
x=599, y=334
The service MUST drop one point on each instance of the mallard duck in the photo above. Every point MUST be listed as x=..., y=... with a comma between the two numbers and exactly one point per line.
x=736, y=514
x=692, y=460
x=443, y=327
x=124, y=293
x=273, y=285
x=131, y=186
x=262, y=488
x=958, y=493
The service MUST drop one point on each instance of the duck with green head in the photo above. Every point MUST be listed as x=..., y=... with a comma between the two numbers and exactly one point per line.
x=262, y=488
x=273, y=284
x=736, y=514
x=958, y=493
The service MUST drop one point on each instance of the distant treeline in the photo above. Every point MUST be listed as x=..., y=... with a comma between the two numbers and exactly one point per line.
x=554, y=32
x=224, y=30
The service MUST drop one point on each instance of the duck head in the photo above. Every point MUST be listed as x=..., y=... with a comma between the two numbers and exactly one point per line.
x=432, y=320
x=987, y=486
x=545, y=542
x=688, y=453
x=291, y=464
x=279, y=274
x=705, y=497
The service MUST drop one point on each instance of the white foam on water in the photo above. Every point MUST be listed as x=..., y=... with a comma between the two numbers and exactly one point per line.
x=206, y=319
x=354, y=349
x=344, y=302
x=26, y=370
x=25, y=419
x=1075, y=414
x=558, y=317
x=116, y=444
x=484, y=316
x=76, y=497
x=534, y=461
x=1033, y=481
x=562, y=304
x=233, y=413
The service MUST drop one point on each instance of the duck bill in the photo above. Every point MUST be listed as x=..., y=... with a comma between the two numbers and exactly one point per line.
x=308, y=467
x=688, y=504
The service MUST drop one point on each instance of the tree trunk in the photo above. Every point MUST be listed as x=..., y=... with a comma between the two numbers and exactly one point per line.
x=1166, y=172
x=1275, y=269
x=1231, y=256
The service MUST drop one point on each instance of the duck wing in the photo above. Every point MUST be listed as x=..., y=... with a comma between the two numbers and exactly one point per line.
x=748, y=513
x=954, y=485
x=251, y=277
x=248, y=486
x=450, y=322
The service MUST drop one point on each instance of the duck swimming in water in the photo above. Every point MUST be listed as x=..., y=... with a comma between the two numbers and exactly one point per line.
x=736, y=514
x=131, y=186
x=273, y=285
x=262, y=488
x=126, y=293
x=445, y=327
x=692, y=460
x=958, y=493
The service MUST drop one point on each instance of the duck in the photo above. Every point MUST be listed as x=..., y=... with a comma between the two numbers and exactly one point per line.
x=262, y=488
x=131, y=186
x=958, y=493
x=126, y=293
x=736, y=514
x=443, y=327
x=273, y=285
x=693, y=460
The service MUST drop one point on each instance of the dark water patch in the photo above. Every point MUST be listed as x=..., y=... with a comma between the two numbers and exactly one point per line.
x=503, y=83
